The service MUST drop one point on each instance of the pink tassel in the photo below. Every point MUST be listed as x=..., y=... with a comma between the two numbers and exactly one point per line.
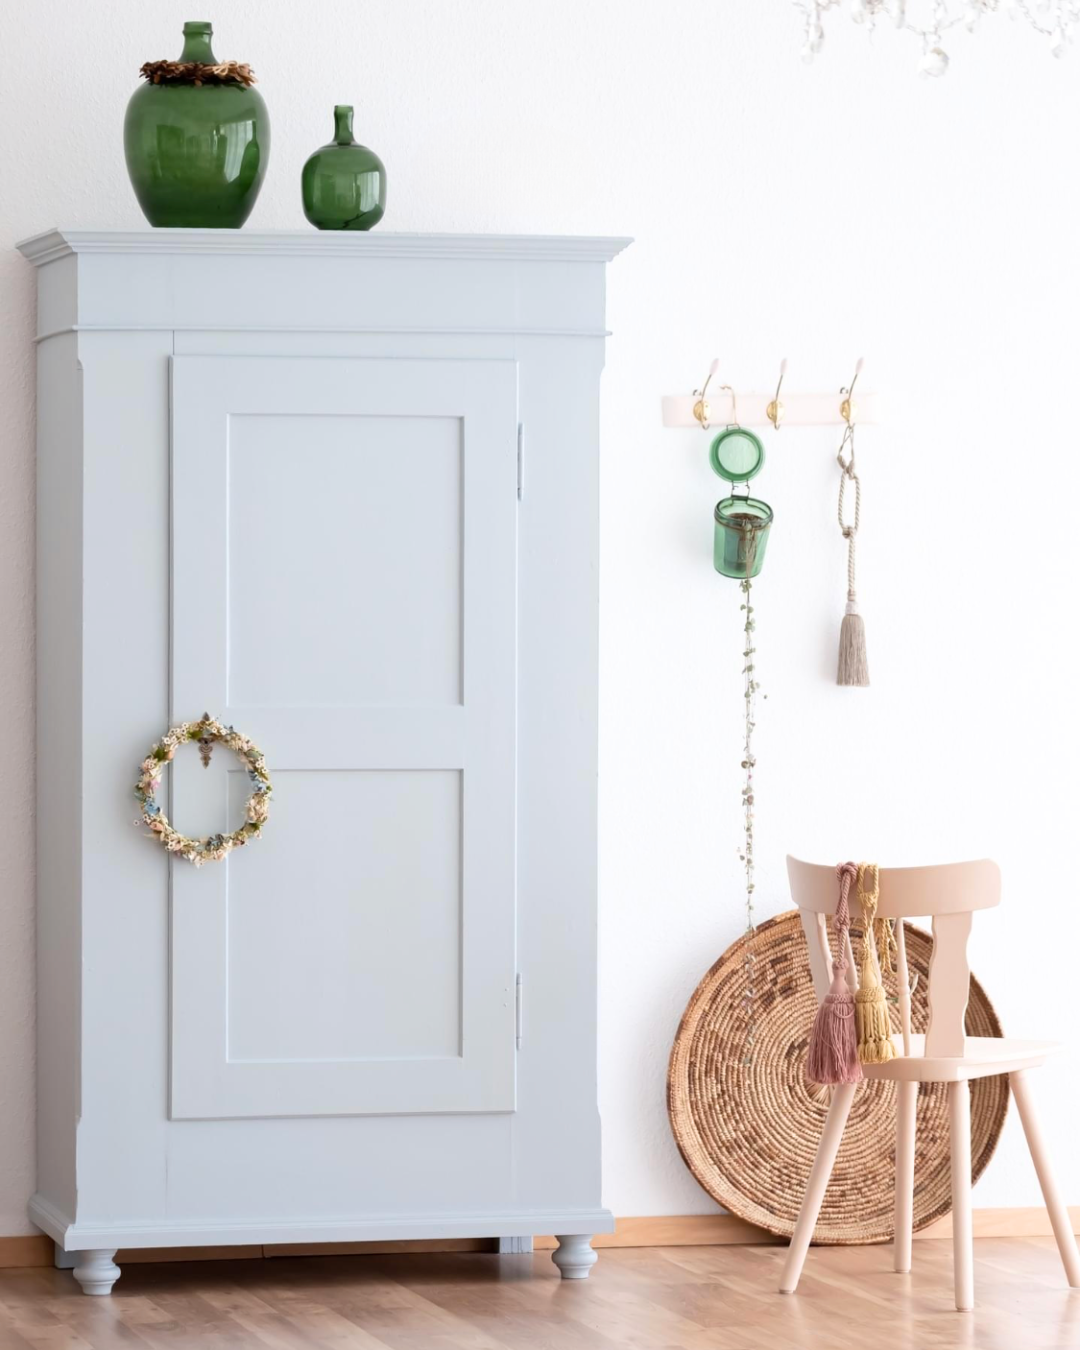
x=833, y=1053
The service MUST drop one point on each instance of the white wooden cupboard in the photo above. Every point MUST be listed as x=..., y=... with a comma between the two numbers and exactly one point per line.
x=340, y=491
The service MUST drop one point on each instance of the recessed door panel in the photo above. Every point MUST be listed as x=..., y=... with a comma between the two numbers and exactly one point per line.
x=344, y=580
x=324, y=979
x=319, y=503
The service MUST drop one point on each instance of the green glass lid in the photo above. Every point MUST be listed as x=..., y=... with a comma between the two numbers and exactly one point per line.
x=736, y=454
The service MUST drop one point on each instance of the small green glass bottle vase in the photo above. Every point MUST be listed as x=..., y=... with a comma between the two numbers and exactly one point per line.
x=197, y=153
x=741, y=533
x=344, y=184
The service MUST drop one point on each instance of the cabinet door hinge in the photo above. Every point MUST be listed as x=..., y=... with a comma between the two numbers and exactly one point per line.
x=517, y=1013
x=521, y=460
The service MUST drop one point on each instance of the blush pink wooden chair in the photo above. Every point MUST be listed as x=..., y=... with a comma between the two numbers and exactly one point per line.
x=950, y=894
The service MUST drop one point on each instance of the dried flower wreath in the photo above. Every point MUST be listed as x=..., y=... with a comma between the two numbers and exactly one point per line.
x=206, y=732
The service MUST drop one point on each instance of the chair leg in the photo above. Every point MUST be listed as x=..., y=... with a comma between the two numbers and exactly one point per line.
x=960, y=1152
x=1055, y=1207
x=815, y=1187
x=906, y=1095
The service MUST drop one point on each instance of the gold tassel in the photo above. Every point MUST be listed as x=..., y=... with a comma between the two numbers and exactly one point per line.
x=872, y=1026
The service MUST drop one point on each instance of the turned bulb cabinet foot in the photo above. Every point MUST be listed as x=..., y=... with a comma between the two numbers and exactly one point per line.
x=340, y=493
x=96, y=1271
x=574, y=1256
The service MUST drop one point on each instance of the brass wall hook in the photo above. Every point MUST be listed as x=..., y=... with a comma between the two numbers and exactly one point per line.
x=848, y=408
x=701, y=405
x=775, y=411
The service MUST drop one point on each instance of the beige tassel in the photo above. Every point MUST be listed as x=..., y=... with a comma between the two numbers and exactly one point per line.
x=851, y=668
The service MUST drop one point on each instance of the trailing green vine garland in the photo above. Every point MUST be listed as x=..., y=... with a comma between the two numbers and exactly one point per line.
x=207, y=732
x=749, y=763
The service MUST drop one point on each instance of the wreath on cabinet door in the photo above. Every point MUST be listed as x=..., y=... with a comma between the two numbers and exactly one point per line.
x=206, y=733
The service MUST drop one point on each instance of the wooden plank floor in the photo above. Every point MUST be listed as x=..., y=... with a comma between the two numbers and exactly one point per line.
x=648, y=1298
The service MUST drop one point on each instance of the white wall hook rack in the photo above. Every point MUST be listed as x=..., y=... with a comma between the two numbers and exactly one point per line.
x=726, y=406
x=800, y=410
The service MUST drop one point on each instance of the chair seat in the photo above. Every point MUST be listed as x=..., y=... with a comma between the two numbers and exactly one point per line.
x=983, y=1056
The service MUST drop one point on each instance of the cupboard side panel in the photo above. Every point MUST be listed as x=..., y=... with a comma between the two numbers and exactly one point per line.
x=557, y=1130
x=59, y=734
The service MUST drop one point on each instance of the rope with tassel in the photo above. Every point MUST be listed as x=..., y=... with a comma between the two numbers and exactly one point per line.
x=851, y=666
x=833, y=1055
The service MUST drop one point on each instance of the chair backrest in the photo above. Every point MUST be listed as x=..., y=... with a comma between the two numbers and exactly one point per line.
x=949, y=893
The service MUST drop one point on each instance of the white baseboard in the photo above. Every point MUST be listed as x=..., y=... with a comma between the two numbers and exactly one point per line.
x=88, y=1235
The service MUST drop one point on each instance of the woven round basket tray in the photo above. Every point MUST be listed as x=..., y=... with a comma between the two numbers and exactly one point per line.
x=749, y=1131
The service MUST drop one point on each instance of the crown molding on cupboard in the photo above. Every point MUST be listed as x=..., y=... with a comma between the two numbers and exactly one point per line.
x=60, y=242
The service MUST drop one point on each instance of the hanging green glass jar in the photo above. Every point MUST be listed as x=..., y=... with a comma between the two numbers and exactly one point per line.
x=197, y=138
x=741, y=528
x=740, y=535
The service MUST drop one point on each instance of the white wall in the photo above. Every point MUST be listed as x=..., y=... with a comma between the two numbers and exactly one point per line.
x=818, y=213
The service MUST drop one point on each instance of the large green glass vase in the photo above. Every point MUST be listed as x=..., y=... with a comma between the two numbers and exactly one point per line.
x=197, y=154
x=344, y=184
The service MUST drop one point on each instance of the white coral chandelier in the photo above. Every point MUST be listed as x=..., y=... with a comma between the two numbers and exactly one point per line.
x=931, y=20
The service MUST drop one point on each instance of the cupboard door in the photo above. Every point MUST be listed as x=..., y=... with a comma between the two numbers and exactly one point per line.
x=344, y=547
